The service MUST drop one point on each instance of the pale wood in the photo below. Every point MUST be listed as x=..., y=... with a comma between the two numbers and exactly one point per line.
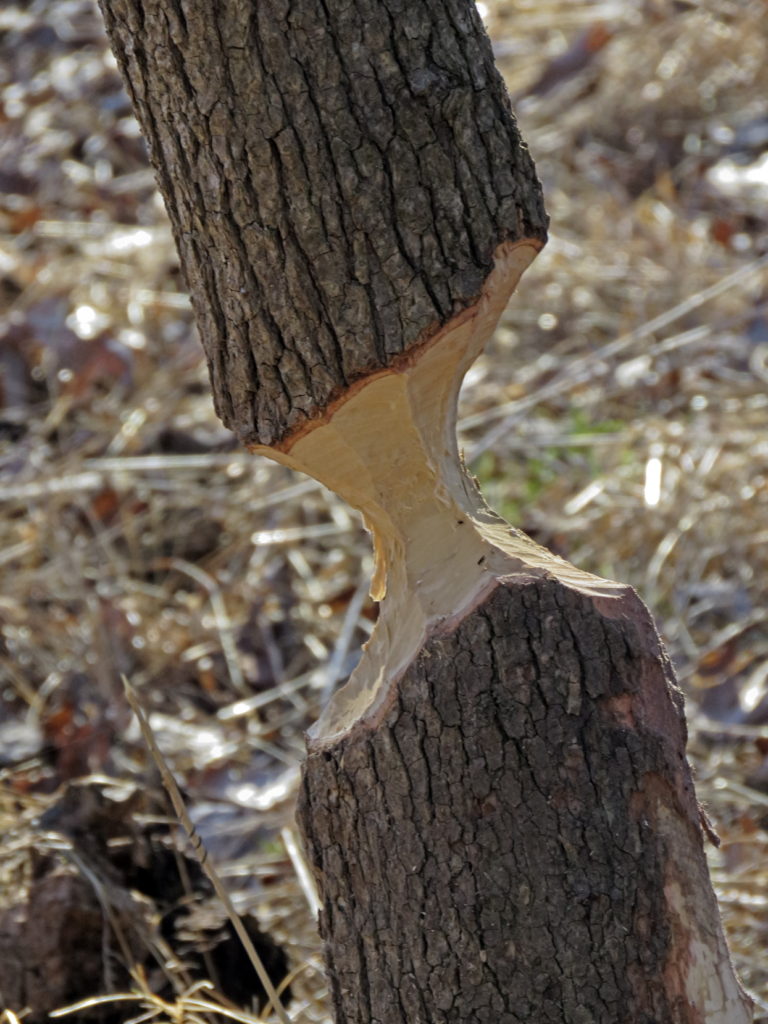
x=497, y=805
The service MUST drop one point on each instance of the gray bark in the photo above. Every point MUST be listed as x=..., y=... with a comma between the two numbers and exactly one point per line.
x=338, y=177
x=501, y=847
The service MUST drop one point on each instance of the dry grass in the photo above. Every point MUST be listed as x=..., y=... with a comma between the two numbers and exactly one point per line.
x=136, y=538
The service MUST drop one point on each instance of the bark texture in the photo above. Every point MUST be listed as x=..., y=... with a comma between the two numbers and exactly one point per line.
x=500, y=813
x=338, y=176
x=518, y=841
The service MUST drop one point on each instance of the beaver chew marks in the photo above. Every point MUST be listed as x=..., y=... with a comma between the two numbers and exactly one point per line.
x=390, y=451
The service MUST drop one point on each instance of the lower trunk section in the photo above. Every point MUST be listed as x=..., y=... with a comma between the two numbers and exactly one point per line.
x=516, y=838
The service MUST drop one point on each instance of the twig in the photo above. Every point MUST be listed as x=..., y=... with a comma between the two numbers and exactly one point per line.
x=578, y=370
x=201, y=853
x=303, y=875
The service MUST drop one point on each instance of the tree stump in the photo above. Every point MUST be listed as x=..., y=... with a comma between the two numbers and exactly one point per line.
x=497, y=804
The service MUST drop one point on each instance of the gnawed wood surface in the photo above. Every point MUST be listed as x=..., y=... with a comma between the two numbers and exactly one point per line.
x=498, y=805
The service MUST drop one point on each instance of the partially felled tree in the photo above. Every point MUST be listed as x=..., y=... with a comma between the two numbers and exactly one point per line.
x=497, y=805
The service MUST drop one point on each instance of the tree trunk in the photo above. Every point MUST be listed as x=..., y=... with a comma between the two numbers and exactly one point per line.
x=497, y=805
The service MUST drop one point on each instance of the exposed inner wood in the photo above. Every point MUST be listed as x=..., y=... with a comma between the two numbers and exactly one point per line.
x=390, y=450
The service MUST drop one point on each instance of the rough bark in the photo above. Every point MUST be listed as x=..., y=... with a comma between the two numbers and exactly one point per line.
x=497, y=804
x=338, y=177
x=519, y=840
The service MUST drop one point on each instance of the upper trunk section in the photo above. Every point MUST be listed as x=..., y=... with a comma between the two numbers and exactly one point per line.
x=339, y=177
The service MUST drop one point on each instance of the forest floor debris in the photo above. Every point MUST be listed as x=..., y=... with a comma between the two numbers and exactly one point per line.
x=619, y=416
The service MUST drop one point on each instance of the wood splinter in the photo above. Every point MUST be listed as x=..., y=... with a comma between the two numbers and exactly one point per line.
x=389, y=449
x=497, y=805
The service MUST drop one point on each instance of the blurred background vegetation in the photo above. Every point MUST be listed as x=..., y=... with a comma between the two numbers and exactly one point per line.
x=619, y=416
